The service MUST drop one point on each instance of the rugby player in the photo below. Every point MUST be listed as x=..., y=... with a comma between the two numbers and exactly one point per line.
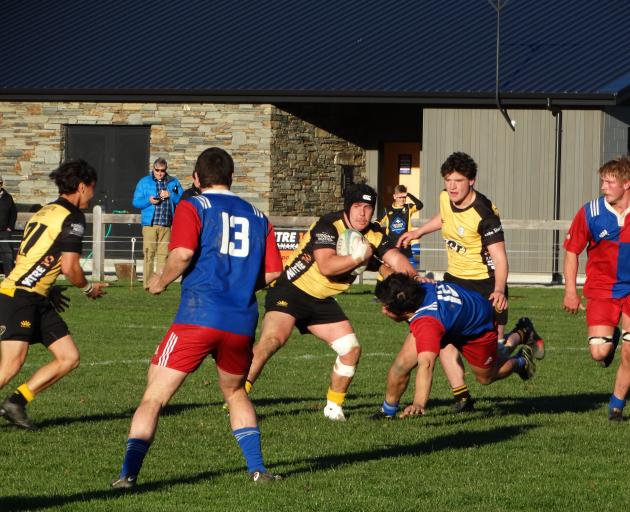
x=602, y=226
x=29, y=301
x=225, y=249
x=440, y=314
x=303, y=296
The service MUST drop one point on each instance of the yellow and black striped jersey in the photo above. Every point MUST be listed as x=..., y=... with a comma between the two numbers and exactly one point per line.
x=467, y=233
x=302, y=270
x=58, y=227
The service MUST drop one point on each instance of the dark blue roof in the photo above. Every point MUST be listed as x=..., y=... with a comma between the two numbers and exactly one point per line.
x=358, y=50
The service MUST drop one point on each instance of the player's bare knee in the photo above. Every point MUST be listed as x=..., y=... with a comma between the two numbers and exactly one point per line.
x=484, y=379
x=270, y=344
x=69, y=363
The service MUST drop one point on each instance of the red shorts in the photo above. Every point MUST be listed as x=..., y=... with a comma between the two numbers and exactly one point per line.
x=185, y=346
x=480, y=351
x=606, y=311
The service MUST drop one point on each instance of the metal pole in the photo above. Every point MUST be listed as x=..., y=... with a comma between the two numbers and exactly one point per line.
x=556, y=276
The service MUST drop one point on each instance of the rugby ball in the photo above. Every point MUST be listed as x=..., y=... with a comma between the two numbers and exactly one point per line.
x=352, y=243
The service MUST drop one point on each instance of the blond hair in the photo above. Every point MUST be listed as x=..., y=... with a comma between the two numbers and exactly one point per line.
x=618, y=167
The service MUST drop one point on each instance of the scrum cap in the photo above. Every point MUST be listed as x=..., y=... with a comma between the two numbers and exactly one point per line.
x=358, y=193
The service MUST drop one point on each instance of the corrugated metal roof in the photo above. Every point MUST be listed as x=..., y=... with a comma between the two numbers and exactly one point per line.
x=353, y=49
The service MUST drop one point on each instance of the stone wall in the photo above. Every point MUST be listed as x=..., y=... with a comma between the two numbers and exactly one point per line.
x=31, y=140
x=306, y=175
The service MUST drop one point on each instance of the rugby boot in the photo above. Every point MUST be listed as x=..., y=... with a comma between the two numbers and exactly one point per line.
x=380, y=415
x=124, y=482
x=16, y=414
x=535, y=341
x=615, y=414
x=334, y=412
x=530, y=336
x=464, y=405
x=607, y=361
x=260, y=477
x=528, y=371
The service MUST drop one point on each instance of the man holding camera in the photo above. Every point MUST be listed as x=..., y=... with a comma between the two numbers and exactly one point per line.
x=156, y=195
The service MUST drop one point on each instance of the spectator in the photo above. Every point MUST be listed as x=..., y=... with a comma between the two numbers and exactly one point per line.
x=156, y=195
x=8, y=216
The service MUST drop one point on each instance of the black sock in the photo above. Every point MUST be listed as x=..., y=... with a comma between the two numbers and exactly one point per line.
x=18, y=398
x=461, y=393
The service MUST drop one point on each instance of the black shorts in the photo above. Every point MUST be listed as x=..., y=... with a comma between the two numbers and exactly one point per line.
x=306, y=310
x=30, y=317
x=483, y=286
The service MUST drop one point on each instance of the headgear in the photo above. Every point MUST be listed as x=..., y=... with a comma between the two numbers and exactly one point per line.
x=358, y=193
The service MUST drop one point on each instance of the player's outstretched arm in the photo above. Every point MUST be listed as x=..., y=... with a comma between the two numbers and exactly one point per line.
x=424, y=380
x=499, y=257
x=572, y=301
x=398, y=262
x=432, y=225
x=71, y=268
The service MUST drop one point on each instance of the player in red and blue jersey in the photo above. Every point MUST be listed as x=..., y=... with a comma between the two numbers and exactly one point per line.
x=602, y=226
x=224, y=249
x=439, y=314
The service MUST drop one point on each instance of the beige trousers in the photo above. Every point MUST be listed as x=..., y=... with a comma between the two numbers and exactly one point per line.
x=155, y=243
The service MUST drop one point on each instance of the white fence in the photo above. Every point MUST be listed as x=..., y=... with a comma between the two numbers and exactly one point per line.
x=544, y=253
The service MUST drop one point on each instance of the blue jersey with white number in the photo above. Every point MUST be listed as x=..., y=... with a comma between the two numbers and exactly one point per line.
x=229, y=237
x=462, y=312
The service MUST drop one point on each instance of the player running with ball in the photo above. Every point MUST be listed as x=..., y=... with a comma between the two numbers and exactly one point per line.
x=303, y=296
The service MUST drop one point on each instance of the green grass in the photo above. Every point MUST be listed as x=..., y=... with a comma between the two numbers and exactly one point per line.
x=541, y=445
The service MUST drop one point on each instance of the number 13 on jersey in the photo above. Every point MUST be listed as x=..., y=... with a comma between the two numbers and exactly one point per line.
x=235, y=239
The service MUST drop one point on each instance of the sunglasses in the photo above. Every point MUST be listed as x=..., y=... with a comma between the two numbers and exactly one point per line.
x=159, y=170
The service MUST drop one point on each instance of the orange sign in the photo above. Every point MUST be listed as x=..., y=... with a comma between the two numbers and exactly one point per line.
x=288, y=239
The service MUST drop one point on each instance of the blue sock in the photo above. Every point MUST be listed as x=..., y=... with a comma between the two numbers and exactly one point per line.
x=248, y=439
x=389, y=409
x=134, y=456
x=616, y=403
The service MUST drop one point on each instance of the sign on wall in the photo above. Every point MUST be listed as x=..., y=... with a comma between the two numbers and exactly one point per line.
x=287, y=240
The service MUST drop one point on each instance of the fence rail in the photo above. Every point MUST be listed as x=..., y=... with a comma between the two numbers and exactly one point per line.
x=99, y=220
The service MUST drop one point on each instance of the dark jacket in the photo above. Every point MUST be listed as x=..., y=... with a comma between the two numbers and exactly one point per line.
x=8, y=212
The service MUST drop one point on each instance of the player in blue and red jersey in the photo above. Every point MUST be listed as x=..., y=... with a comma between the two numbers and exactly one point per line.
x=439, y=314
x=603, y=227
x=224, y=249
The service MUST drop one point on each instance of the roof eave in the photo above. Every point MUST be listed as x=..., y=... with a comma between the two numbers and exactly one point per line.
x=426, y=98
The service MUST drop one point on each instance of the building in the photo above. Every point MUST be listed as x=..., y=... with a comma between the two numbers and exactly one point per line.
x=309, y=95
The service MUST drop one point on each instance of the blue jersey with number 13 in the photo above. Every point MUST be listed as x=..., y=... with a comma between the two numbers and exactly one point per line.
x=218, y=288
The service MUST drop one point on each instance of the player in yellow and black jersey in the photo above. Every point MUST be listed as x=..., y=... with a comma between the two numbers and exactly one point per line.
x=397, y=218
x=303, y=271
x=29, y=301
x=303, y=296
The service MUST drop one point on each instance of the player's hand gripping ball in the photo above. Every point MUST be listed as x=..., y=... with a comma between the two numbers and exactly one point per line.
x=352, y=243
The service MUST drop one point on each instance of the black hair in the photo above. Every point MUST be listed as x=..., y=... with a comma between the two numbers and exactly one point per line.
x=400, y=293
x=358, y=193
x=214, y=166
x=69, y=175
x=459, y=162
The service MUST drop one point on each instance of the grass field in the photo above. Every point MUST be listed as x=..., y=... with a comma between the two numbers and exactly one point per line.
x=541, y=445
